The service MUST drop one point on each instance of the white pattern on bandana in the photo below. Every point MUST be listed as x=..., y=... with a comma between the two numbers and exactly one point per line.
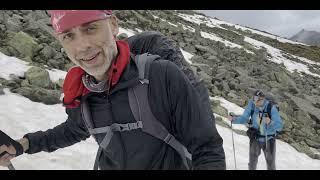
x=57, y=17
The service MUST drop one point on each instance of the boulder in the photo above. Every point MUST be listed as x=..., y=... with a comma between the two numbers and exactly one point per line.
x=1, y=90
x=14, y=23
x=24, y=44
x=39, y=77
x=40, y=94
x=48, y=52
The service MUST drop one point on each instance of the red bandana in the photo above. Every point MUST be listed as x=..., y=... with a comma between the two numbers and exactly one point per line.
x=73, y=86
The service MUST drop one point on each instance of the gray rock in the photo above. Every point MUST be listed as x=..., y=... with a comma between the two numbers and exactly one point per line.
x=225, y=86
x=304, y=105
x=14, y=77
x=25, y=12
x=283, y=78
x=48, y=52
x=39, y=14
x=215, y=91
x=38, y=77
x=202, y=49
x=14, y=23
x=205, y=77
x=60, y=83
x=233, y=84
x=218, y=118
x=218, y=109
x=1, y=91
x=38, y=28
x=2, y=27
x=4, y=17
x=213, y=58
x=27, y=59
x=315, y=91
x=55, y=63
x=9, y=12
x=25, y=83
x=40, y=94
x=312, y=143
x=301, y=148
x=317, y=105
x=189, y=48
x=12, y=84
x=24, y=44
x=293, y=90
x=15, y=12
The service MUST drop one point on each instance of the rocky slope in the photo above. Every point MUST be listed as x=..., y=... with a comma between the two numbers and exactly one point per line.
x=233, y=61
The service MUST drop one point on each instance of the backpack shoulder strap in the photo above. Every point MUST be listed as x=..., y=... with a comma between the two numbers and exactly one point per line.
x=251, y=114
x=269, y=107
x=140, y=107
x=86, y=115
x=143, y=63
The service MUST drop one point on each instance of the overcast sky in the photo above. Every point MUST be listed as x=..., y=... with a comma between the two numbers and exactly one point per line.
x=284, y=23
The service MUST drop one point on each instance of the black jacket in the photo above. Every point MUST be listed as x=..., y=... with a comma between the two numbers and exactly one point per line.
x=173, y=101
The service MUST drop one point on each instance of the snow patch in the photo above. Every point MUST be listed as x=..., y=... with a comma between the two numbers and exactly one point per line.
x=187, y=56
x=277, y=57
x=12, y=65
x=129, y=32
x=225, y=42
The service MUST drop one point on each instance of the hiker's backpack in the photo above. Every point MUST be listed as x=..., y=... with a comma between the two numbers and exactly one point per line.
x=158, y=44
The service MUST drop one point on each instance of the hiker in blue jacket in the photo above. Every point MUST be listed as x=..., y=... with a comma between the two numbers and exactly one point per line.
x=263, y=127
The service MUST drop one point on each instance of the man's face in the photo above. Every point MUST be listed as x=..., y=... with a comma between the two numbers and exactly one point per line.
x=258, y=101
x=92, y=46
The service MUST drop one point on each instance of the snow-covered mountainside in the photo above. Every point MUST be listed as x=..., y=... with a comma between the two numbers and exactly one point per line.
x=231, y=59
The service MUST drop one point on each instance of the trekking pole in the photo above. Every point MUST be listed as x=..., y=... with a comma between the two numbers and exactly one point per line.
x=234, y=152
x=266, y=138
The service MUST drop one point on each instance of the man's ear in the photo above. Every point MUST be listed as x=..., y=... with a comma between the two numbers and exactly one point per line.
x=114, y=25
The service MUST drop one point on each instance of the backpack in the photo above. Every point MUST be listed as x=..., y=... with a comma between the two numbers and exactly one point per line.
x=156, y=43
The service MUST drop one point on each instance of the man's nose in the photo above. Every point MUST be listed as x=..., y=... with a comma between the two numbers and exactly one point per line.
x=82, y=44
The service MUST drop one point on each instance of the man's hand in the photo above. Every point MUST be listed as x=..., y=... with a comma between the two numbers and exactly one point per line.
x=7, y=152
x=267, y=120
x=231, y=116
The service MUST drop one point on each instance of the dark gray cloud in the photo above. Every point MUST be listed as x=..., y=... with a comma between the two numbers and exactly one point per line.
x=285, y=23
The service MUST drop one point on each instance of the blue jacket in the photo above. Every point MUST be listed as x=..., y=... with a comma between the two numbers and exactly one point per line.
x=271, y=129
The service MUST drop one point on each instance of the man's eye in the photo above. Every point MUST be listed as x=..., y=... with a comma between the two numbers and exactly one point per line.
x=67, y=36
x=91, y=29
